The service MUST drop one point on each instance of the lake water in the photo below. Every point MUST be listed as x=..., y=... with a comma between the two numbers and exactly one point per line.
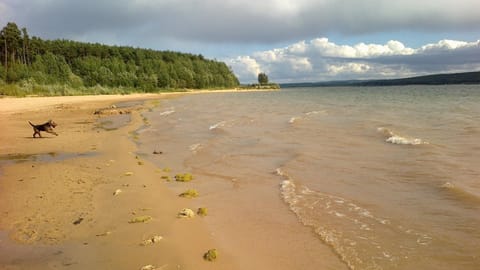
x=384, y=177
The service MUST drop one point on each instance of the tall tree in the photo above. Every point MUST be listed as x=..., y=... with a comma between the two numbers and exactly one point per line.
x=11, y=37
x=25, y=46
x=262, y=78
x=3, y=38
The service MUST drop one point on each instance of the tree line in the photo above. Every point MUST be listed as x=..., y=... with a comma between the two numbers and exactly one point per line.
x=79, y=64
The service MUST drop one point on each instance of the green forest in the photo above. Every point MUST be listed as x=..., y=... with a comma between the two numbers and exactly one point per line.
x=33, y=66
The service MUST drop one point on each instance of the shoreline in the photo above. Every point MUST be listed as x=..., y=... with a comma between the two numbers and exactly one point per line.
x=60, y=210
x=58, y=205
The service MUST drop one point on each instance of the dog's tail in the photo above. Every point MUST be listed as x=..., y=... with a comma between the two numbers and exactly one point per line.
x=31, y=124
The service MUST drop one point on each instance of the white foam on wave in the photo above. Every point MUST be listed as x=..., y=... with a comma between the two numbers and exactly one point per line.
x=396, y=139
x=403, y=140
x=168, y=112
x=195, y=147
x=293, y=119
x=448, y=185
x=348, y=228
x=316, y=112
x=217, y=125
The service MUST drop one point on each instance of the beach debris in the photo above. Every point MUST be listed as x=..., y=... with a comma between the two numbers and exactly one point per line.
x=202, y=211
x=186, y=177
x=191, y=193
x=140, y=219
x=118, y=191
x=140, y=163
x=104, y=234
x=166, y=169
x=186, y=213
x=128, y=174
x=78, y=221
x=211, y=255
x=152, y=240
x=155, y=152
x=148, y=267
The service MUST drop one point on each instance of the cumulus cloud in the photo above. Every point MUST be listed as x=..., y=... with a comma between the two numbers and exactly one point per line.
x=321, y=59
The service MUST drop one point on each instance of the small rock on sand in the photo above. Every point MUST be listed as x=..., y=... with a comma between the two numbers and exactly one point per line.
x=186, y=213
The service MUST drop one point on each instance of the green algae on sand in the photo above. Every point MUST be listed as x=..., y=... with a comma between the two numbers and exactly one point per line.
x=186, y=177
x=202, y=211
x=211, y=255
x=140, y=219
x=191, y=193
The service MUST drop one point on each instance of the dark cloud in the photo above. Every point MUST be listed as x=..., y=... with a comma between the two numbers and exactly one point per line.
x=238, y=21
x=225, y=27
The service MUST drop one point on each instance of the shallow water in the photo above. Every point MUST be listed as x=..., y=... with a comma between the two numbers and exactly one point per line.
x=386, y=177
x=41, y=157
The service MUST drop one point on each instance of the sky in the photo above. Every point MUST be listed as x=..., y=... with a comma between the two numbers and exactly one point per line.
x=289, y=40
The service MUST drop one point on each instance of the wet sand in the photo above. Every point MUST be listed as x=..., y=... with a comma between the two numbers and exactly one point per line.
x=58, y=205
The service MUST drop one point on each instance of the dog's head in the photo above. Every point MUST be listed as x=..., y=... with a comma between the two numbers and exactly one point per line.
x=52, y=124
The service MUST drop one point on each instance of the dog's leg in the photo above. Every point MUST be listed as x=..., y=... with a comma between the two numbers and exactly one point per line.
x=50, y=130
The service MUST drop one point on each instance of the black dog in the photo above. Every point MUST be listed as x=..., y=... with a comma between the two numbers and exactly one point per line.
x=47, y=127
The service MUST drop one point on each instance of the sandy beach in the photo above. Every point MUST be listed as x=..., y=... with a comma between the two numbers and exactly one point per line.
x=79, y=200
x=70, y=200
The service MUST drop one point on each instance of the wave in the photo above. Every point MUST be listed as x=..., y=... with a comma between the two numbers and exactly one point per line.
x=294, y=119
x=359, y=237
x=396, y=139
x=316, y=112
x=462, y=193
x=168, y=112
x=195, y=147
x=217, y=125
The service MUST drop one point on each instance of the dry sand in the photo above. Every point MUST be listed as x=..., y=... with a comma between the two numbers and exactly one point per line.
x=58, y=208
